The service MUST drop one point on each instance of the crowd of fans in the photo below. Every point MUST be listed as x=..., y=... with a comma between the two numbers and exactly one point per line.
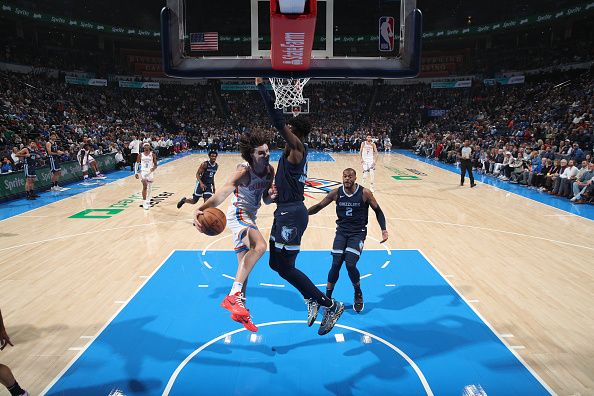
x=539, y=134
x=514, y=129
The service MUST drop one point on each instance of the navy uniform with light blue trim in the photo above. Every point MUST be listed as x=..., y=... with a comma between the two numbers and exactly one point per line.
x=290, y=216
x=30, y=163
x=208, y=179
x=54, y=160
x=351, y=225
x=351, y=231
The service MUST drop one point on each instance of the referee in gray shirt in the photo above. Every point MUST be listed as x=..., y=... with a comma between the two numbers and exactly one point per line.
x=465, y=155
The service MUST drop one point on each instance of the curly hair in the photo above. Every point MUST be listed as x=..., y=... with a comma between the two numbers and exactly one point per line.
x=249, y=141
x=301, y=126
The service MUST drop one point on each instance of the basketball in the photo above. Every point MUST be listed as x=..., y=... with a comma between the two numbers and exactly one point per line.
x=213, y=220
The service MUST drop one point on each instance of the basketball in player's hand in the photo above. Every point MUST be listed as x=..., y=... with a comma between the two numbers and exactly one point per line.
x=212, y=221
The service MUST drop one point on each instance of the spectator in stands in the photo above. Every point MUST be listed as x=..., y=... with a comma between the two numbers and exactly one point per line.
x=6, y=165
x=582, y=182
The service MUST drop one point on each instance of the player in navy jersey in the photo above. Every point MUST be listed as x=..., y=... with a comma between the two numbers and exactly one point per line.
x=30, y=156
x=290, y=216
x=54, y=159
x=352, y=204
x=205, y=184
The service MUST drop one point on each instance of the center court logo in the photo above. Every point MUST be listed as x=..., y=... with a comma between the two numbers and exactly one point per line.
x=320, y=186
x=113, y=209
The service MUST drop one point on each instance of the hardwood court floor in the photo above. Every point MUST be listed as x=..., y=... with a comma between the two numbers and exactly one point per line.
x=527, y=266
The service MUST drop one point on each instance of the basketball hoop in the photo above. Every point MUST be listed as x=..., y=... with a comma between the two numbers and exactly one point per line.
x=288, y=92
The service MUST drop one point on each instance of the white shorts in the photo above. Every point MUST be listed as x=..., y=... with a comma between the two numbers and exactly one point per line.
x=368, y=165
x=147, y=176
x=86, y=162
x=239, y=221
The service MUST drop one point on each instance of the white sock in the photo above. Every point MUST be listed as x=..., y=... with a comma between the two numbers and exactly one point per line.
x=236, y=288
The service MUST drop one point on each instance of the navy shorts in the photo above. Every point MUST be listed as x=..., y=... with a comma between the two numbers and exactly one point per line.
x=348, y=242
x=290, y=222
x=199, y=192
x=29, y=171
x=54, y=164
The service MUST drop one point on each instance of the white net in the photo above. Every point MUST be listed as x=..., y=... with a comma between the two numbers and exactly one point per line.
x=288, y=92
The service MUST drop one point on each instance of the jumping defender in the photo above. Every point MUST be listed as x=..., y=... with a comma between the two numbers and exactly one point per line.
x=205, y=183
x=352, y=204
x=290, y=216
x=252, y=183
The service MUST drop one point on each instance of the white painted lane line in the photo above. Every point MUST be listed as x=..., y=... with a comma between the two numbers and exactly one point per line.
x=385, y=264
x=202, y=285
x=228, y=276
x=206, y=264
x=390, y=285
x=548, y=388
x=366, y=276
x=271, y=285
x=321, y=284
x=339, y=337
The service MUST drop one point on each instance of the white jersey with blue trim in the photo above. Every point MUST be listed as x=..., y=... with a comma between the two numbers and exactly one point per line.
x=249, y=196
x=146, y=163
x=367, y=154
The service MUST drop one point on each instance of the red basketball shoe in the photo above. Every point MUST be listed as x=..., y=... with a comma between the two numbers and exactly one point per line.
x=235, y=304
x=246, y=321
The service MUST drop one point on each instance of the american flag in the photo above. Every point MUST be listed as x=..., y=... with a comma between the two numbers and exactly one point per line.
x=208, y=41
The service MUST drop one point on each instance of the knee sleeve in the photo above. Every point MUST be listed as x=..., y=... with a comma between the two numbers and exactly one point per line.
x=334, y=272
x=351, y=260
x=282, y=261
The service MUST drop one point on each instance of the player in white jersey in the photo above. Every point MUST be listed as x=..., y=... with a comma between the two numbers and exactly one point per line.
x=387, y=144
x=146, y=163
x=368, y=159
x=251, y=184
x=85, y=159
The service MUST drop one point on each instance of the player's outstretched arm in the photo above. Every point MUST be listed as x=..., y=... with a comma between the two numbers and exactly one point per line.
x=278, y=120
x=330, y=197
x=379, y=214
x=222, y=193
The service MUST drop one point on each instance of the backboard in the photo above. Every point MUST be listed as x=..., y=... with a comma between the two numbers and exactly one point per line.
x=202, y=39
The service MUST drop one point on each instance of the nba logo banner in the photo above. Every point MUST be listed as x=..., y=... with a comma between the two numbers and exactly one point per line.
x=386, y=33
